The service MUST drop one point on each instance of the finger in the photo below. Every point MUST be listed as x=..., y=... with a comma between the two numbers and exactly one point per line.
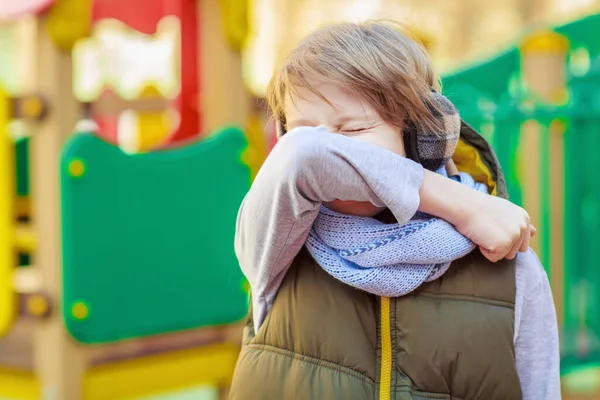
x=533, y=230
x=518, y=243
x=526, y=237
x=500, y=253
x=514, y=249
x=490, y=255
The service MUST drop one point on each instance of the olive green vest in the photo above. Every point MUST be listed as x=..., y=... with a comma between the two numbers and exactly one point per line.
x=450, y=339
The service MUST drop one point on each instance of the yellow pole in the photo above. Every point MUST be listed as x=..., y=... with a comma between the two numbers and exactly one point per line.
x=7, y=218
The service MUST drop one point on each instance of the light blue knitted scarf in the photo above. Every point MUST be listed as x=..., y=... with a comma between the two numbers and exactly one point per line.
x=387, y=259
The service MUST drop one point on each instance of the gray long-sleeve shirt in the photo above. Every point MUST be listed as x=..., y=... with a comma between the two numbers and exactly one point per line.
x=309, y=166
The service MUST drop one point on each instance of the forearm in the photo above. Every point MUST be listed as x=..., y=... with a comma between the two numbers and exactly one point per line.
x=445, y=198
x=308, y=167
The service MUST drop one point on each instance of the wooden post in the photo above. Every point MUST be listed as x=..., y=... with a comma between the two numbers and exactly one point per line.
x=59, y=362
x=224, y=99
x=544, y=72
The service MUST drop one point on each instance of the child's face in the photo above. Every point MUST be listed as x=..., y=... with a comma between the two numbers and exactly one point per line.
x=348, y=115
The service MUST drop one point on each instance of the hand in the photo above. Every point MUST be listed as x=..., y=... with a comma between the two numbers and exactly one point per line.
x=500, y=228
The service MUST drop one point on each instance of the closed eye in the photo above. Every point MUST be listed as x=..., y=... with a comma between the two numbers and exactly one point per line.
x=353, y=130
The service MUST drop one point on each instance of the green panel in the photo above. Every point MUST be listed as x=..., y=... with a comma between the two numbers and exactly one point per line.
x=583, y=32
x=148, y=238
x=475, y=108
x=22, y=166
x=490, y=76
x=499, y=123
x=581, y=333
x=508, y=121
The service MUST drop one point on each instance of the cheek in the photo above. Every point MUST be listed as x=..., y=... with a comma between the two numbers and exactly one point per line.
x=389, y=140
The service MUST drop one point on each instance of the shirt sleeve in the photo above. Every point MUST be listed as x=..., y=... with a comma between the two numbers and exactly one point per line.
x=536, y=344
x=309, y=166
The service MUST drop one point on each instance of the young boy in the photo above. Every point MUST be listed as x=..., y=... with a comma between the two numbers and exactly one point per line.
x=357, y=100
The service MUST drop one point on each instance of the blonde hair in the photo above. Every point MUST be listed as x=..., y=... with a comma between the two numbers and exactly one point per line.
x=377, y=60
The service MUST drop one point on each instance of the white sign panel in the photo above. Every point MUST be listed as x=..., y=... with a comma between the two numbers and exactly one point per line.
x=119, y=58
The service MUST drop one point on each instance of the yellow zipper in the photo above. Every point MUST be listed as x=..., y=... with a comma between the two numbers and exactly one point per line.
x=385, y=377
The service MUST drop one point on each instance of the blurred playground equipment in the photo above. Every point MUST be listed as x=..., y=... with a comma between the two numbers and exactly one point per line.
x=118, y=279
x=539, y=104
